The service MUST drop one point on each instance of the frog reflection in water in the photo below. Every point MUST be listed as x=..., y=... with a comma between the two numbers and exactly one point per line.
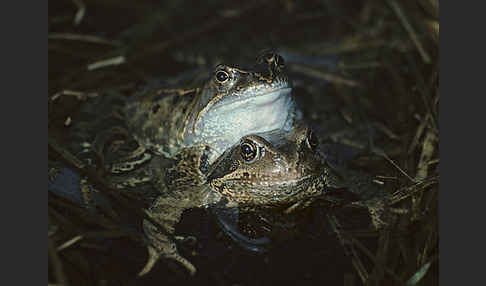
x=196, y=148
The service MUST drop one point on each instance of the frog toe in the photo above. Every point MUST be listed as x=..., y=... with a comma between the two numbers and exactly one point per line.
x=184, y=262
x=155, y=255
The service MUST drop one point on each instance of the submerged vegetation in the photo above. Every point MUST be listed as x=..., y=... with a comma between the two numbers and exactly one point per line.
x=375, y=61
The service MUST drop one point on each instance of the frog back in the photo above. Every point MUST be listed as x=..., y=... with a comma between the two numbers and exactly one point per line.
x=158, y=118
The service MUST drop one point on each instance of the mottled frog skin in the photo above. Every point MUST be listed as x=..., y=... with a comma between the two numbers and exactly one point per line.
x=237, y=141
x=265, y=169
x=272, y=168
x=233, y=103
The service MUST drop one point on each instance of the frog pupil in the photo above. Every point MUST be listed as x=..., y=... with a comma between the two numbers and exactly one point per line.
x=221, y=76
x=247, y=151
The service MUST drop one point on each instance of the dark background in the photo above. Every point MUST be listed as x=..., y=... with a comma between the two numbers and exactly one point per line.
x=365, y=58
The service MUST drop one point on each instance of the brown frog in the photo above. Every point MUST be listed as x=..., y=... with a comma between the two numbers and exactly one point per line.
x=233, y=103
x=265, y=169
x=238, y=139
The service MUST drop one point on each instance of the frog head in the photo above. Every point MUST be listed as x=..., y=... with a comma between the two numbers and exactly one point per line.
x=273, y=168
x=236, y=102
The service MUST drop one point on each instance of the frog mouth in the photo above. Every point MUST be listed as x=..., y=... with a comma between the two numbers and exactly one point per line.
x=270, y=190
x=269, y=180
x=249, y=100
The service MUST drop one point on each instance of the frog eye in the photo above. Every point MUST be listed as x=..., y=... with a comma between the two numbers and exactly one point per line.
x=311, y=140
x=222, y=76
x=249, y=152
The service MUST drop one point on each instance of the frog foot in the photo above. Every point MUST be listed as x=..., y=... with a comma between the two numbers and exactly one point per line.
x=155, y=255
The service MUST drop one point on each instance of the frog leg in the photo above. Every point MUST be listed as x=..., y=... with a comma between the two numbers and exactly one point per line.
x=167, y=212
x=164, y=214
x=131, y=161
x=103, y=137
x=154, y=256
x=137, y=178
x=186, y=189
